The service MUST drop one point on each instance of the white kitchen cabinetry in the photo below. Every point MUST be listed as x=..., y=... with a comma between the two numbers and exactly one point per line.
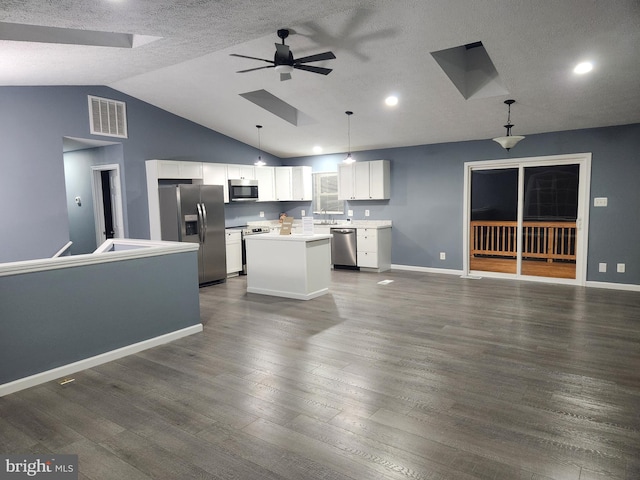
x=283, y=183
x=246, y=172
x=180, y=170
x=293, y=183
x=301, y=183
x=234, y=252
x=216, y=174
x=373, y=248
x=364, y=180
x=266, y=177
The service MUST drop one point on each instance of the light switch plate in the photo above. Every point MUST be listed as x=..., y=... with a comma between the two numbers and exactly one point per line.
x=443, y=256
x=366, y=213
x=621, y=268
x=261, y=214
x=349, y=213
x=602, y=267
x=303, y=213
x=600, y=202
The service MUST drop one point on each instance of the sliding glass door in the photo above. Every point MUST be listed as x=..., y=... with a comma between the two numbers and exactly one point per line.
x=527, y=217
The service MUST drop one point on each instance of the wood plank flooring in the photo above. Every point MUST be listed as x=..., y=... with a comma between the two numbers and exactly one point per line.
x=428, y=377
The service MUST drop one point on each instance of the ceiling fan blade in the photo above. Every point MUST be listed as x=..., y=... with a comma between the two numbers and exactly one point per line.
x=285, y=76
x=282, y=50
x=311, y=68
x=252, y=69
x=316, y=58
x=252, y=58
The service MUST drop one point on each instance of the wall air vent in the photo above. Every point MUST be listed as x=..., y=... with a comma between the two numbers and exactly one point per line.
x=107, y=117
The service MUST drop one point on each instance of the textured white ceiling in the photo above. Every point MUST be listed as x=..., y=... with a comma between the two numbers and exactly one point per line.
x=381, y=46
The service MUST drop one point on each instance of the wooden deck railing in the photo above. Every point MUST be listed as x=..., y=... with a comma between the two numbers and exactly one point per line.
x=544, y=240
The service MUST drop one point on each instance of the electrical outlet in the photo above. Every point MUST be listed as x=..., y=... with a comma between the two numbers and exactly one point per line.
x=443, y=256
x=349, y=213
x=620, y=268
x=602, y=267
x=261, y=214
x=303, y=213
x=600, y=202
x=366, y=213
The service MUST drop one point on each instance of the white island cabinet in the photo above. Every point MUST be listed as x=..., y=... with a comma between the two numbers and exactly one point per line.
x=291, y=266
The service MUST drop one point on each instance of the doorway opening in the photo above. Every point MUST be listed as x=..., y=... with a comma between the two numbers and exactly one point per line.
x=107, y=202
x=527, y=218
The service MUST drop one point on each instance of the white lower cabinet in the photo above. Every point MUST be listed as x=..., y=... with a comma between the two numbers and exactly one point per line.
x=234, y=251
x=373, y=248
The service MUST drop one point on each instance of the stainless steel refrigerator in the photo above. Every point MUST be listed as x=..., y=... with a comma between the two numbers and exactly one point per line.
x=195, y=213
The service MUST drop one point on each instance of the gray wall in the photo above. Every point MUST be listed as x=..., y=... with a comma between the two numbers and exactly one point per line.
x=427, y=182
x=56, y=317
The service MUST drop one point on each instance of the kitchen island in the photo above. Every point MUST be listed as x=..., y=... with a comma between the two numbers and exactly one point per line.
x=292, y=266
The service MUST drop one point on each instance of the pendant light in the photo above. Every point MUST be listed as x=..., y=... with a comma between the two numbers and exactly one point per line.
x=259, y=162
x=509, y=141
x=349, y=158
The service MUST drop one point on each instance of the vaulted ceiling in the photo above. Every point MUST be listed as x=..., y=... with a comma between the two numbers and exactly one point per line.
x=176, y=55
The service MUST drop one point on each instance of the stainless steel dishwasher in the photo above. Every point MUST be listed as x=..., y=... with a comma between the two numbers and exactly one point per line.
x=343, y=247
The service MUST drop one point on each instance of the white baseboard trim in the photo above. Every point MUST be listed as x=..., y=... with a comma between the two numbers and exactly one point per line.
x=58, y=372
x=614, y=286
x=588, y=283
x=412, y=268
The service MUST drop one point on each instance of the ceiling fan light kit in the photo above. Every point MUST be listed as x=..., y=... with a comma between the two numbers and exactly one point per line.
x=508, y=141
x=284, y=63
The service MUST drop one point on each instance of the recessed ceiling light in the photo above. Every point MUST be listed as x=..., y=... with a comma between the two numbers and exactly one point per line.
x=317, y=149
x=583, y=67
x=391, y=100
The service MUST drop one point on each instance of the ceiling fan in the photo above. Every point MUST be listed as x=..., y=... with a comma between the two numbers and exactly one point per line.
x=284, y=63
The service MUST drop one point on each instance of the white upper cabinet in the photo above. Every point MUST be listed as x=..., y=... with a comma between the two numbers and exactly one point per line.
x=216, y=174
x=246, y=172
x=178, y=169
x=301, y=183
x=364, y=180
x=293, y=183
x=284, y=189
x=266, y=177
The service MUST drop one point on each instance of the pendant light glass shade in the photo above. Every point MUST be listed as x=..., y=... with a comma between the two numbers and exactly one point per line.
x=259, y=162
x=349, y=158
x=509, y=141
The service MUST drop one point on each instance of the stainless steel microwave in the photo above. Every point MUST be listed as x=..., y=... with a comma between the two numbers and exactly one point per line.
x=242, y=190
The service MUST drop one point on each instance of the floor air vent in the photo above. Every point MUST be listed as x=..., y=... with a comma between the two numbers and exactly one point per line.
x=108, y=117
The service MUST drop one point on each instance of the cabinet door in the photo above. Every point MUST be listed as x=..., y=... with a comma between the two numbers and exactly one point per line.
x=301, y=183
x=266, y=183
x=192, y=170
x=367, y=259
x=234, y=252
x=283, y=183
x=241, y=171
x=345, y=181
x=379, y=179
x=216, y=174
x=168, y=169
x=361, y=181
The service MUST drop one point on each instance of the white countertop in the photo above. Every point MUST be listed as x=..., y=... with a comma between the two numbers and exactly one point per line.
x=377, y=224
x=294, y=237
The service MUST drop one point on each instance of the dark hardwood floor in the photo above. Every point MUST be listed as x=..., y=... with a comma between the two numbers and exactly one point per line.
x=428, y=377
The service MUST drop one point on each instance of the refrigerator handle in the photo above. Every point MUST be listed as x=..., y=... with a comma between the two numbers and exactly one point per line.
x=200, y=222
x=204, y=215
